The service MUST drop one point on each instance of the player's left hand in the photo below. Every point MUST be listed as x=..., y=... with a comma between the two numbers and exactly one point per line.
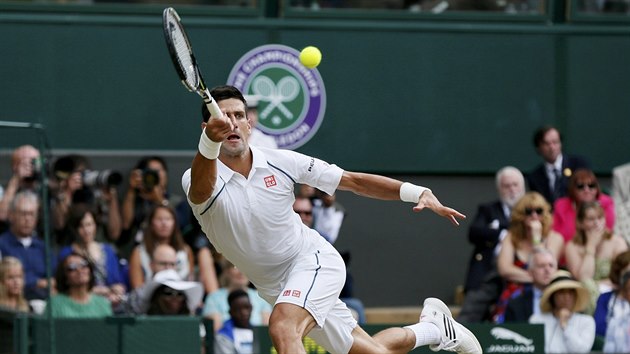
x=429, y=200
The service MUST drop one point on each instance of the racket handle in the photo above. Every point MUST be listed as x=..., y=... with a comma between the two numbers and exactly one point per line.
x=213, y=107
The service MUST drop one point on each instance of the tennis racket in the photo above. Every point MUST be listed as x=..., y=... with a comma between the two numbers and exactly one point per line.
x=184, y=60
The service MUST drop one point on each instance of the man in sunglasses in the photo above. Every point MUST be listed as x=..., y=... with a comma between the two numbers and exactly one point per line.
x=550, y=178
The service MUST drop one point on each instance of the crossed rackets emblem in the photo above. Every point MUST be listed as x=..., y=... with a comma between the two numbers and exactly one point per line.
x=286, y=91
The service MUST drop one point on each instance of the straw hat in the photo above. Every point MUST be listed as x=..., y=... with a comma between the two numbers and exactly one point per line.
x=563, y=280
x=170, y=278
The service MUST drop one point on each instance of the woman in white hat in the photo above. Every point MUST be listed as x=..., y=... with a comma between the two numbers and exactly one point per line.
x=566, y=329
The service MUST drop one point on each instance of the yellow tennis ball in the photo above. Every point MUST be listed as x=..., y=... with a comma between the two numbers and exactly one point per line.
x=310, y=57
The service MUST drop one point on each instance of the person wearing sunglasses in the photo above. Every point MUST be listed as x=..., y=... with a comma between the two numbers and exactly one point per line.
x=75, y=281
x=167, y=295
x=530, y=227
x=583, y=187
x=590, y=253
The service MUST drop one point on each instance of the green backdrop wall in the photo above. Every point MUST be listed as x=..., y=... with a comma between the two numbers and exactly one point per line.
x=406, y=97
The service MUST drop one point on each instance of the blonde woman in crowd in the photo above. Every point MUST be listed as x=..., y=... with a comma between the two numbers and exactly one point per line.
x=12, y=285
x=591, y=251
x=530, y=227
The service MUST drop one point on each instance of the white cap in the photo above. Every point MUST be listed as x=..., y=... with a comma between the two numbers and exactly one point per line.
x=170, y=278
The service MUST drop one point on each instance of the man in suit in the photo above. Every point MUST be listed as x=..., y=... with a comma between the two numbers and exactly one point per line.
x=551, y=177
x=491, y=223
x=542, y=266
x=483, y=283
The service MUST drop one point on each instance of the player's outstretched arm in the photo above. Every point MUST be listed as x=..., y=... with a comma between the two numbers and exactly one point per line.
x=203, y=174
x=385, y=188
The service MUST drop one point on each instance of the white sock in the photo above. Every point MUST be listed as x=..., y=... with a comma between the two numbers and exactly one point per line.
x=426, y=333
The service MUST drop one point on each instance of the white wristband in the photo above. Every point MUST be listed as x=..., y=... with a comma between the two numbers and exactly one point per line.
x=411, y=193
x=208, y=148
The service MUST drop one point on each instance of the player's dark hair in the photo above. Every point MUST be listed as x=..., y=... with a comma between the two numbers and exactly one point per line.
x=539, y=134
x=221, y=93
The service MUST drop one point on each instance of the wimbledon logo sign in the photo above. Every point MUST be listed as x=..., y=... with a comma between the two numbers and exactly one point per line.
x=292, y=98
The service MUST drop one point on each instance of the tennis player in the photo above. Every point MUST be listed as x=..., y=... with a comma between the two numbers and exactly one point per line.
x=243, y=197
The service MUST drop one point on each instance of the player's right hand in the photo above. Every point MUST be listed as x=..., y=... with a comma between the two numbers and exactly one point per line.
x=218, y=129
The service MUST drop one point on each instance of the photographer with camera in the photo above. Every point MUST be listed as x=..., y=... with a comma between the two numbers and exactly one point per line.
x=148, y=183
x=25, y=164
x=76, y=184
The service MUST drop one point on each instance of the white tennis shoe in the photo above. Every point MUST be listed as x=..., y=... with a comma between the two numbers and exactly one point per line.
x=455, y=337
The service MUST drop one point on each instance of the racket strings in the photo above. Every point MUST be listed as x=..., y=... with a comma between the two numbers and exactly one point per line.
x=184, y=57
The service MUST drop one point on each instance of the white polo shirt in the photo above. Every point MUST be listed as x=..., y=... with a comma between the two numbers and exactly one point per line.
x=251, y=220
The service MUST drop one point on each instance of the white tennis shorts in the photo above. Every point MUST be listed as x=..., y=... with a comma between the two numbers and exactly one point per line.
x=314, y=283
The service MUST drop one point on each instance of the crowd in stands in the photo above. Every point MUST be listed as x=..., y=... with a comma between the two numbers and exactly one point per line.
x=554, y=256
x=142, y=254
x=546, y=251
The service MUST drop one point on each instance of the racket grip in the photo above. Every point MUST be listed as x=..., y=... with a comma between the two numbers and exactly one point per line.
x=213, y=108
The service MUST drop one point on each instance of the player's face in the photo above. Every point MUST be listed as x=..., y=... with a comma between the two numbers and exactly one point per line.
x=236, y=143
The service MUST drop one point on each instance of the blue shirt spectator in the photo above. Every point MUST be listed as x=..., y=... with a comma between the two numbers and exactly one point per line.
x=21, y=242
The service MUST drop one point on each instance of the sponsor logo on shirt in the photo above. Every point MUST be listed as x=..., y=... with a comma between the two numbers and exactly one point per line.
x=270, y=181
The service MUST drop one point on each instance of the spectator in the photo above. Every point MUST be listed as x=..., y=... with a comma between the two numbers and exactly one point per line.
x=590, y=253
x=490, y=225
x=21, y=242
x=75, y=280
x=583, y=187
x=236, y=336
x=621, y=198
x=161, y=229
x=163, y=257
x=78, y=185
x=203, y=252
x=303, y=206
x=550, y=178
x=12, y=285
x=108, y=282
x=610, y=304
x=147, y=189
x=306, y=191
x=167, y=294
x=257, y=137
x=618, y=334
x=25, y=167
x=328, y=216
x=483, y=283
x=216, y=306
x=542, y=267
x=530, y=227
x=566, y=330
